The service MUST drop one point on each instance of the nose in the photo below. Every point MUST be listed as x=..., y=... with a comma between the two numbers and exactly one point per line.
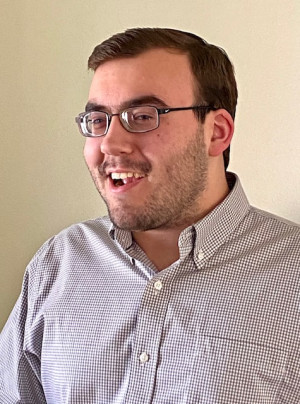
x=118, y=140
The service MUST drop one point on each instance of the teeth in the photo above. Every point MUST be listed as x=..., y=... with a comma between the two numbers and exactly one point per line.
x=117, y=176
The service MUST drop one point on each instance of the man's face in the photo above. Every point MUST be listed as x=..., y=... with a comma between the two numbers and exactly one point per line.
x=166, y=168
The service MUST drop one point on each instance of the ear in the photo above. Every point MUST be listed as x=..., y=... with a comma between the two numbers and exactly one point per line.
x=222, y=131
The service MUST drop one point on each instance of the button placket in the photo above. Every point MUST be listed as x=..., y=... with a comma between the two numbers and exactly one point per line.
x=148, y=335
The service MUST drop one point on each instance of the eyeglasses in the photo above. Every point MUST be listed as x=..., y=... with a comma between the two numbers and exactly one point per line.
x=139, y=119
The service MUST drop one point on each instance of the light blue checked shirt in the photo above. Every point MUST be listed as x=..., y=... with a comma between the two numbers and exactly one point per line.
x=96, y=323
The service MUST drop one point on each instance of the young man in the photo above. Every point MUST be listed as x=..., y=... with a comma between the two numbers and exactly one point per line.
x=186, y=293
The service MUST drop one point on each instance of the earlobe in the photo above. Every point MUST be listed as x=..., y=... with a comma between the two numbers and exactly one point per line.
x=223, y=127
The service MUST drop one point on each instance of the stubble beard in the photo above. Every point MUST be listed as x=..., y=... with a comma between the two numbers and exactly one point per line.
x=174, y=202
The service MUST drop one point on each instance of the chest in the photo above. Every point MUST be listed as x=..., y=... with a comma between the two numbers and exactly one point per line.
x=197, y=338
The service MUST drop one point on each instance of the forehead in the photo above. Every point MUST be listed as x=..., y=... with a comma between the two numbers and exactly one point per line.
x=160, y=73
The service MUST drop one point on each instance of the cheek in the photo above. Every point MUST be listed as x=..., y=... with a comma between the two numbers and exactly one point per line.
x=92, y=153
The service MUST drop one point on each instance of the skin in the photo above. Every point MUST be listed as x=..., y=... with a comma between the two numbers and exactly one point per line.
x=181, y=160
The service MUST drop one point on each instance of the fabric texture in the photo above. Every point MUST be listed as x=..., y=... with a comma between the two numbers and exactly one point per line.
x=96, y=323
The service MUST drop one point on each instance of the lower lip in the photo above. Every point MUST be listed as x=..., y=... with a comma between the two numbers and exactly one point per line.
x=125, y=187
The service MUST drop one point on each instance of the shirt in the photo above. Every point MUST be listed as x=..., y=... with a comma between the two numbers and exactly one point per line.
x=96, y=323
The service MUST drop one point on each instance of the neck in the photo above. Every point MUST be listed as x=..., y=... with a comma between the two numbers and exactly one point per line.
x=161, y=245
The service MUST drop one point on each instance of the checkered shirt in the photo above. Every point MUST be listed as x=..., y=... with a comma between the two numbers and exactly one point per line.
x=97, y=323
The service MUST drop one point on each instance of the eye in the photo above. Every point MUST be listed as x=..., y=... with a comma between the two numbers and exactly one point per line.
x=142, y=114
x=142, y=117
x=96, y=122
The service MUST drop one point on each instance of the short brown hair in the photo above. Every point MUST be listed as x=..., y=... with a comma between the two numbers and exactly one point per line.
x=212, y=69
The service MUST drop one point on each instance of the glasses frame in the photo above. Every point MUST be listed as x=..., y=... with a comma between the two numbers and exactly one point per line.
x=80, y=119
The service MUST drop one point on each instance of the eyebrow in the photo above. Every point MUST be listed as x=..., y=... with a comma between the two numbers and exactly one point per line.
x=144, y=100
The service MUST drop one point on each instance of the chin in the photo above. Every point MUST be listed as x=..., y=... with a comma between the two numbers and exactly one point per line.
x=125, y=222
x=131, y=222
x=137, y=221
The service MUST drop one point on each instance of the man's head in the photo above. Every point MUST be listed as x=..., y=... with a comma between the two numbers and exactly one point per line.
x=172, y=173
x=213, y=72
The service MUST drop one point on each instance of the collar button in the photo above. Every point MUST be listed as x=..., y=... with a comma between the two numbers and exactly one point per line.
x=200, y=255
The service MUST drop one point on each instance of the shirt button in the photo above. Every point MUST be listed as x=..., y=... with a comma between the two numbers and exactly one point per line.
x=158, y=285
x=200, y=255
x=144, y=357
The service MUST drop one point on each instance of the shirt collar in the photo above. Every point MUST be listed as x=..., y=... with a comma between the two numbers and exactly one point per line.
x=213, y=230
x=207, y=235
x=122, y=237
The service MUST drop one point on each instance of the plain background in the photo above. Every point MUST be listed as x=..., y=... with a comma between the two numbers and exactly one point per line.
x=44, y=82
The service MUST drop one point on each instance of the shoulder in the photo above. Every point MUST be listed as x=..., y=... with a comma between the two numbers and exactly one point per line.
x=85, y=231
x=79, y=245
x=272, y=224
x=271, y=236
x=76, y=257
x=93, y=233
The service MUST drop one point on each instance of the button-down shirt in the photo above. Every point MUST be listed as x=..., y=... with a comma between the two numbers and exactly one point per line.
x=97, y=323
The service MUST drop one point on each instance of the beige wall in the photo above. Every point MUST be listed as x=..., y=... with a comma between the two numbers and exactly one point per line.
x=44, y=82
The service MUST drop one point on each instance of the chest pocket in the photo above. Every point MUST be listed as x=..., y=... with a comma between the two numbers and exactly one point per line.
x=234, y=372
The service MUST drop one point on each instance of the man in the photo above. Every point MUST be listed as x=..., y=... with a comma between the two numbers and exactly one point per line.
x=186, y=294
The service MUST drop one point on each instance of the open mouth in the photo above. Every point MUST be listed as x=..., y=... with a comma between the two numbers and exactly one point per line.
x=120, y=179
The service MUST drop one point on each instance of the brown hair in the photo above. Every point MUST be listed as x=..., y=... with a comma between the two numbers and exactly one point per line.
x=212, y=69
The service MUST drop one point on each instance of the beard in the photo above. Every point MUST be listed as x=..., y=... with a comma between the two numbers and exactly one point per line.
x=175, y=199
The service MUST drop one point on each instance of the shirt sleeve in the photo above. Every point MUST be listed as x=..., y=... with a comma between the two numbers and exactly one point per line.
x=20, y=371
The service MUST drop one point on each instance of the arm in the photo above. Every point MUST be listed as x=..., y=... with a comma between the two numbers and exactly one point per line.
x=20, y=379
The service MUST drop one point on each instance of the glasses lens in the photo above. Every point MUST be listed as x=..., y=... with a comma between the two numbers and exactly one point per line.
x=140, y=119
x=96, y=123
